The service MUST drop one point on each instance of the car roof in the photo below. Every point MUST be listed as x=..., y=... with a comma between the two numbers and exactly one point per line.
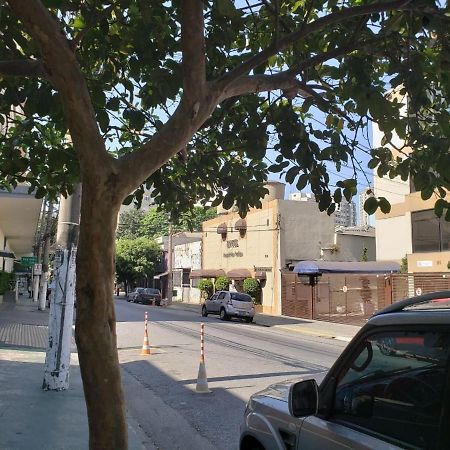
x=422, y=309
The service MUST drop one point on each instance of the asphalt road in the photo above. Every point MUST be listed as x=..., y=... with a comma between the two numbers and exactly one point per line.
x=240, y=359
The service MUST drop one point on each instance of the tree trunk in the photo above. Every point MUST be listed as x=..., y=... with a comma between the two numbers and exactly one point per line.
x=95, y=320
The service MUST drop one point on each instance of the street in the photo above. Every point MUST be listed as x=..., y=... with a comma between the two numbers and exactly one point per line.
x=240, y=359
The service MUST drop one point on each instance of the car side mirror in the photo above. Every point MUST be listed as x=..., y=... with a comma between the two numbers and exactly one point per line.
x=304, y=398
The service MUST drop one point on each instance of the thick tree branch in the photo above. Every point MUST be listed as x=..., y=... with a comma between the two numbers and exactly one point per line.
x=287, y=79
x=193, y=49
x=307, y=29
x=23, y=68
x=66, y=76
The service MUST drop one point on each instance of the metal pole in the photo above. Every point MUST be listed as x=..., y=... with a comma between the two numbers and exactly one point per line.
x=57, y=361
x=46, y=248
x=170, y=268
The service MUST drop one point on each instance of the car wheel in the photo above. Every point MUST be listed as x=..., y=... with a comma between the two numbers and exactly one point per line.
x=249, y=319
x=204, y=311
x=223, y=314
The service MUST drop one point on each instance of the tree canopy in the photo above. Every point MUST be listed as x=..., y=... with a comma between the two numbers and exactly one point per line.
x=295, y=61
x=185, y=98
x=137, y=259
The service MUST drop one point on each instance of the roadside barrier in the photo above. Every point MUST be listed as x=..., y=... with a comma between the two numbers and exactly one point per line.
x=145, y=346
x=202, y=380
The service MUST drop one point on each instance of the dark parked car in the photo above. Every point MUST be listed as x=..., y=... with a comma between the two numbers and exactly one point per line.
x=145, y=296
x=388, y=390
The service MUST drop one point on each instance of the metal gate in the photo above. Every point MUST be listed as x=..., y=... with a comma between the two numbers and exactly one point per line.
x=353, y=298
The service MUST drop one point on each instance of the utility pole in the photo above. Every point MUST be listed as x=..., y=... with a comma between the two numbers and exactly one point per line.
x=57, y=360
x=38, y=253
x=169, y=268
x=46, y=248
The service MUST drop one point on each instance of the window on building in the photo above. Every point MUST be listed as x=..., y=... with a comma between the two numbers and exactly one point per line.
x=429, y=233
x=186, y=281
x=177, y=278
x=195, y=282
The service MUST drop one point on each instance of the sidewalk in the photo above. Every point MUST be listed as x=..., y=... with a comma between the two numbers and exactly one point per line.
x=30, y=417
x=329, y=330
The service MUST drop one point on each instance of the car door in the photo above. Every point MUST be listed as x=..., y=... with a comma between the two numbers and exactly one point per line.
x=209, y=303
x=220, y=301
x=390, y=395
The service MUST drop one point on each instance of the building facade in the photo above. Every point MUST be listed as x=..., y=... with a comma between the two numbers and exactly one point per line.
x=410, y=229
x=345, y=215
x=364, y=220
x=268, y=240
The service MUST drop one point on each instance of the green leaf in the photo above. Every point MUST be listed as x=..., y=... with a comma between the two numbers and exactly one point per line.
x=227, y=8
x=439, y=207
x=371, y=205
x=384, y=204
x=291, y=174
x=302, y=181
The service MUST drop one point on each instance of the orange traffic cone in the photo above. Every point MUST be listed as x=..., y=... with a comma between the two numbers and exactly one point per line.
x=145, y=345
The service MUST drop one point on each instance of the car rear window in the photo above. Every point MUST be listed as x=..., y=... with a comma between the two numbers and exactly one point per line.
x=152, y=291
x=240, y=297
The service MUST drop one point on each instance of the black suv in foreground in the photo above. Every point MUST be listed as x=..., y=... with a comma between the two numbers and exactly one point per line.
x=389, y=389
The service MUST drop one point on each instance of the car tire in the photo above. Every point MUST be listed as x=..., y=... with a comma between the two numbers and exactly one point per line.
x=224, y=315
x=204, y=311
x=248, y=319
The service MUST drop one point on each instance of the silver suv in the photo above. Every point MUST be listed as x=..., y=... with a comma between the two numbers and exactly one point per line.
x=229, y=304
x=389, y=389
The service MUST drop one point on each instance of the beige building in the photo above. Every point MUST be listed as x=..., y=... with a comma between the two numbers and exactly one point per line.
x=411, y=228
x=268, y=240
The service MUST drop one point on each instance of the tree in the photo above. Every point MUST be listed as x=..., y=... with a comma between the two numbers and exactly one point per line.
x=206, y=287
x=156, y=222
x=154, y=96
x=136, y=258
x=129, y=226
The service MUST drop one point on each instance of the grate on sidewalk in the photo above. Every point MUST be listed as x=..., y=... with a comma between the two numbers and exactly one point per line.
x=20, y=335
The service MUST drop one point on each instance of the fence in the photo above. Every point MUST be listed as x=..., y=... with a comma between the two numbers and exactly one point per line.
x=353, y=298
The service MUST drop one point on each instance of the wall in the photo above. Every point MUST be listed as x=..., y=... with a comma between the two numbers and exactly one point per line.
x=429, y=262
x=7, y=262
x=304, y=230
x=350, y=248
x=188, y=256
x=257, y=248
x=393, y=238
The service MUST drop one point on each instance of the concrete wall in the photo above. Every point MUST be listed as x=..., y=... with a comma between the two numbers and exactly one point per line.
x=393, y=238
x=6, y=264
x=258, y=247
x=349, y=247
x=304, y=230
x=429, y=262
x=188, y=256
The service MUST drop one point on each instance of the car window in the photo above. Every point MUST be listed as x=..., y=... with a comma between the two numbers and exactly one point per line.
x=152, y=291
x=240, y=297
x=221, y=295
x=140, y=290
x=395, y=385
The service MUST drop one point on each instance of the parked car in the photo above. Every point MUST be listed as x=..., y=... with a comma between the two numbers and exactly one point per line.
x=133, y=296
x=229, y=304
x=151, y=295
x=389, y=389
x=145, y=296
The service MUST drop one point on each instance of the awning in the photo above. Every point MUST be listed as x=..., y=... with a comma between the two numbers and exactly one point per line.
x=241, y=225
x=222, y=228
x=6, y=255
x=160, y=275
x=312, y=267
x=207, y=273
x=239, y=274
x=260, y=275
